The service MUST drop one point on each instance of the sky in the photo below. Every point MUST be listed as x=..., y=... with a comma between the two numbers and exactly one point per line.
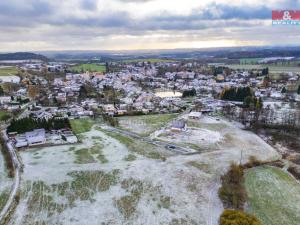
x=37, y=25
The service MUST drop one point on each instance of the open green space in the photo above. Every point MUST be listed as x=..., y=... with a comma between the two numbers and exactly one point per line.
x=4, y=115
x=6, y=71
x=146, y=124
x=81, y=125
x=92, y=67
x=273, y=196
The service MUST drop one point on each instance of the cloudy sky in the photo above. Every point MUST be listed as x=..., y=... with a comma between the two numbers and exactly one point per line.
x=29, y=25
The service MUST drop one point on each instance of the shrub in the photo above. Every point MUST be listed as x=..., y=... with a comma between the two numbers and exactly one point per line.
x=232, y=192
x=235, y=217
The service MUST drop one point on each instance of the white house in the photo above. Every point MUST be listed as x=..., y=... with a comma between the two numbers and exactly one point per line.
x=36, y=137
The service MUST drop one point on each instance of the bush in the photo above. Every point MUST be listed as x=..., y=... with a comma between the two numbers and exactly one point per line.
x=232, y=192
x=235, y=217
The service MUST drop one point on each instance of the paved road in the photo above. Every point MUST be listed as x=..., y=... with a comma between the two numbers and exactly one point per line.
x=16, y=184
x=177, y=148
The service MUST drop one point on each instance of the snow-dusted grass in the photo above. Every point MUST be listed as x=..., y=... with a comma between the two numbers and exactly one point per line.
x=5, y=182
x=273, y=196
x=138, y=184
x=146, y=124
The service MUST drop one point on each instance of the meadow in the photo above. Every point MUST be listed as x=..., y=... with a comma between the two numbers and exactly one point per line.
x=92, y=67
x=6, y=71
x=273, y=196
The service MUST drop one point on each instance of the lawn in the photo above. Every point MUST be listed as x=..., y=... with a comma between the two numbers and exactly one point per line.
x=5, y=71
x=146, y=124
x=88, y=67
x=4, y=115
x=273, y=196
x=81, y=125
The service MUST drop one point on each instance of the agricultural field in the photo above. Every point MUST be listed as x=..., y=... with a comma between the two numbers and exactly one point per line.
x=146, y=124
x=88, y=67
x=6, y=71
x=273, y=196
x=114, y=179
x=5, y=182
x=249, y=60
x=272, y=68
x=151, y=60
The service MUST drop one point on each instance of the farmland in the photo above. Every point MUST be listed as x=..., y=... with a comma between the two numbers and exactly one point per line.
x=114, y=179
x=272, y=68
x=88, y=67
x=6, y=71
x=151, y=60
x=273, y=196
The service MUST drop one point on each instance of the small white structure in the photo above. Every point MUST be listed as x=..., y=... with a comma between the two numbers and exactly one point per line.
x=36, y=137
x=195, y=115
x=21, y=142
x=178, y=125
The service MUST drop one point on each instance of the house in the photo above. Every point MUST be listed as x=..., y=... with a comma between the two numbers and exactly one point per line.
x=195, y=115
x=36, y=137
x=178, y=125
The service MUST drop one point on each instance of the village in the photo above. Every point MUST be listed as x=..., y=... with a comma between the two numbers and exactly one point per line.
x=106, y=120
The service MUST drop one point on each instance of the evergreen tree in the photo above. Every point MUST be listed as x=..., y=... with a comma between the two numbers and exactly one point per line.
x=298, y=91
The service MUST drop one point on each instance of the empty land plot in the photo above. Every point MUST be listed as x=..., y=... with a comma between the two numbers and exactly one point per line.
x=5, y=71
x=273, y=196
x=88, y=67
x=134, y=186
x=81, y=125
x=146, y=124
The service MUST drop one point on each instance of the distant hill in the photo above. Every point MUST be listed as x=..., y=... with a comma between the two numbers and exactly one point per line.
x=22, y=56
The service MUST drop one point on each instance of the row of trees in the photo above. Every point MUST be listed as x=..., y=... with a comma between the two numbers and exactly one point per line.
x=189, y=93
x=236, y=94
x=29, y=124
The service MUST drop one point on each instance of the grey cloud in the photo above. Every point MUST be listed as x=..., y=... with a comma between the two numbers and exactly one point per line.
x=90, y=5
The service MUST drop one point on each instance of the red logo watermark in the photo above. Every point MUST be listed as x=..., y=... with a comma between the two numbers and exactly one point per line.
x=286, y=17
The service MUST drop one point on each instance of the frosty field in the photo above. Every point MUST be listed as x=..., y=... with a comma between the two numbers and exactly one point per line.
x=146, y=124
x=5, y=182
x=273, y=196
x=113, y=179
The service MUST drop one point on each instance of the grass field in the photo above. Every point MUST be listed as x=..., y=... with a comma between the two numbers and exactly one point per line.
x=272, y=69
x=152, y=60
x=249, y=60
x=88, y=67
x=147, y=124
x=5, y=71
x=4, y=115
x=273, y=196
x=81, y=125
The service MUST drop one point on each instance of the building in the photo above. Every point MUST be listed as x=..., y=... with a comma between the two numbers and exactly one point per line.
x=195, y=115
x=36, y=137
x=178, y=125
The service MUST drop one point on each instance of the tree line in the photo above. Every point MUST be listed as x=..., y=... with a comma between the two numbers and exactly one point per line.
x=29, y=124
x=236, y=94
